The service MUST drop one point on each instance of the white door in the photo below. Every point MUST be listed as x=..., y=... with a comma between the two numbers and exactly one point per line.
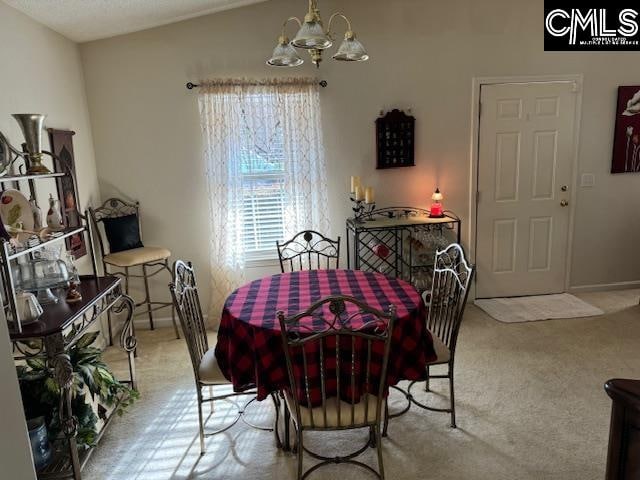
x=525, y=160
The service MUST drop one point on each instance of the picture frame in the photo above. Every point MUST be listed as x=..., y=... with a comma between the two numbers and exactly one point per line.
x=626, y=139
x=62, y=146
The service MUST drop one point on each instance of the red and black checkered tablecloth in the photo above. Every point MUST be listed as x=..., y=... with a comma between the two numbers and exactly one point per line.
x=250, y=350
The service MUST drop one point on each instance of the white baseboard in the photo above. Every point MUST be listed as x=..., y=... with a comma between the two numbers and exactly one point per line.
x=605, y=287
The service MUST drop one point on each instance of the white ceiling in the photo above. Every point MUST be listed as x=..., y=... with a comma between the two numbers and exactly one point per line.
x=85, y=20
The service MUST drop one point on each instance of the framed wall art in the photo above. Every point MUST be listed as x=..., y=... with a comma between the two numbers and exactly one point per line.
x=62, y=146
x=626, y=140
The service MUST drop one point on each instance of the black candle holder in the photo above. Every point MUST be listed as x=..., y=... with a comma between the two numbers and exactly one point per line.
x=361, y=209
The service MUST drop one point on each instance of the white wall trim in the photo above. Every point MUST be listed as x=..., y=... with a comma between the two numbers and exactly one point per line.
x=476, y=85
x=605, y=287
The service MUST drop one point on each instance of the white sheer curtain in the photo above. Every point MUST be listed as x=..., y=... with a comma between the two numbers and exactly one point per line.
x=242, y=115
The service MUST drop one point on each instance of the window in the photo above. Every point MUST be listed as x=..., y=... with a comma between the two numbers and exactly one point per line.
x=265, y=170
x=264, y=199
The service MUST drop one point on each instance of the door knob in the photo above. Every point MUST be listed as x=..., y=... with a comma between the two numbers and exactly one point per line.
x=563, y=203
x=564, y=188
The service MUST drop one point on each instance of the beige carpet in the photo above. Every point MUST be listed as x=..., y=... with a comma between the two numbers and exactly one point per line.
x=538, y=307
x=530, y=406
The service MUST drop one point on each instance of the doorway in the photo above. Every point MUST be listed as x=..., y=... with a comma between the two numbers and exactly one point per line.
x=525, y=180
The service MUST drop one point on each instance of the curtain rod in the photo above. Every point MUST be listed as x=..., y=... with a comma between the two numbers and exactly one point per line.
x=191, y=86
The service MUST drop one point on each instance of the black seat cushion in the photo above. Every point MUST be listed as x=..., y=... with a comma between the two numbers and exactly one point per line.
x=123, y=233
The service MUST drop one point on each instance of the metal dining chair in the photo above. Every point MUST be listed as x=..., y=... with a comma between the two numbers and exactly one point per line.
x=308, y=250
x=207, y=373
x=446, y=303
x=330, y=346
x=121, y=262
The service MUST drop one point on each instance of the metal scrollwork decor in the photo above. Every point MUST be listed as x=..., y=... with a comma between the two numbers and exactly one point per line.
x=308, y=250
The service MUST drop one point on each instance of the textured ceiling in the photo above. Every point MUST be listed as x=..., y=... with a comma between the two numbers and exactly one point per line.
x=84, y=20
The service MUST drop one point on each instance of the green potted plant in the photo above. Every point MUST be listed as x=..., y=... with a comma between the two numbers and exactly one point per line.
x=95, y=391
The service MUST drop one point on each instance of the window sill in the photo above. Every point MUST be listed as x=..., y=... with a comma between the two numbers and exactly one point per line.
x=261, y=262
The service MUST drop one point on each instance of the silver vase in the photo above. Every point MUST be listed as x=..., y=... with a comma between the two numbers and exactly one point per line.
x=31, y=125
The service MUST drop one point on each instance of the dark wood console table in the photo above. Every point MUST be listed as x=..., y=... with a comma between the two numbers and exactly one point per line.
x=623, y=459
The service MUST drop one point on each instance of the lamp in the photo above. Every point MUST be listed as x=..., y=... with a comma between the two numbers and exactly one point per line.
x=436, y=206
x=313, y=37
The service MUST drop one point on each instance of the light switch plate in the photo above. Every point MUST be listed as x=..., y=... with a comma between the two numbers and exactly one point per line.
x=588, y=180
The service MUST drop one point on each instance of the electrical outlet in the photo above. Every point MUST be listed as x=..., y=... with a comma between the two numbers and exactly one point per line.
x=588, y=180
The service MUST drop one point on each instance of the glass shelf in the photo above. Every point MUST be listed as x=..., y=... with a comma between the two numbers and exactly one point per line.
x=66, y=233
x=35, y=176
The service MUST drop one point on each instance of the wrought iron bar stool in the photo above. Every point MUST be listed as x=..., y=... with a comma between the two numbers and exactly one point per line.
x=121, y=262
x=308, y=250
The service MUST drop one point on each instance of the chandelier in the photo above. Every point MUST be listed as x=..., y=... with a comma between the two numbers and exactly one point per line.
x=313, y=37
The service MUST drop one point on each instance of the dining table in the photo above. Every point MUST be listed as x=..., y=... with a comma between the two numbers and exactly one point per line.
x=250, y=350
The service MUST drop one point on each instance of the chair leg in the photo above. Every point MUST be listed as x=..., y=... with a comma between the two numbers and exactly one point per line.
x=386, y=419
x=276, y=431
x=211, y=395
x=126, y=280
x=287, y=427
x=175, y=324
x=300, y=448
x=147, y=298
x=427, y=387
x=173, y=308
x=452, y=397
x=201, y=422
x=379, y=449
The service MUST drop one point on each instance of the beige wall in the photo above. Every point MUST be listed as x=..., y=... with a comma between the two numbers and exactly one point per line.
x=423, y=56
x=41, y=73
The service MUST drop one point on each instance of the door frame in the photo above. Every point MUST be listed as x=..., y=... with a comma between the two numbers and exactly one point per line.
x=477, y=83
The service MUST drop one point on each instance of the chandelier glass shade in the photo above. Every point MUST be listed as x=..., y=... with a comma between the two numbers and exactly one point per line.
x=284, y=55
x=313, y=37
x=351, y=50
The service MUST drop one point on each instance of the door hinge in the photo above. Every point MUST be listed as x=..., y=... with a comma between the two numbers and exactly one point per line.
x=480, y=109
x=477, y=196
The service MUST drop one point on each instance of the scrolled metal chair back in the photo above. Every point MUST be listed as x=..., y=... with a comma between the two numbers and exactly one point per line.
x=451, y=279
x=112, y=208
x=184, y=292
x=332, y=345
x=309, y=250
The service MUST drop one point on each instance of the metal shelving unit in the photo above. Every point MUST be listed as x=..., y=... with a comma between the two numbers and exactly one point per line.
x=409, y=238
x=61, y=325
